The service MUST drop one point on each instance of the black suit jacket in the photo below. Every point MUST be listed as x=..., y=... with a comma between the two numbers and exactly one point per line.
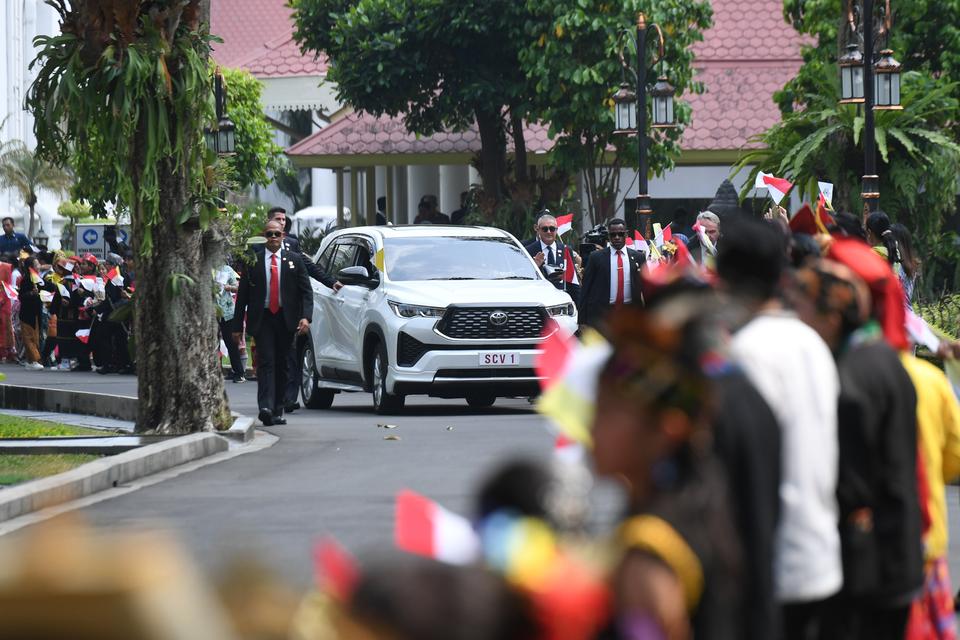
x=595, y=289
x=292, y=244
x=296, y=294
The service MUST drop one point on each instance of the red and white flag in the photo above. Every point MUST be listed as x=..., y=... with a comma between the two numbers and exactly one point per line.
x=776, y=187
x=337, y=572
x=88, y=282
x=570, y=267
x=551, y=364
x=83, y=335
x=568, y=450
x=425, y=528
x=564, y=223
x=114, y=277
x=9, y=291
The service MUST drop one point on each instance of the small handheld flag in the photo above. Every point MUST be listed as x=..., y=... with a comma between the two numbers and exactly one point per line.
x=83, y=335
x=114, y=277
x=9, y=291
x=776, y=187
x=425, y=528
x=35, y=277
x=826, y=194
x=564, y=224
x=570, y=267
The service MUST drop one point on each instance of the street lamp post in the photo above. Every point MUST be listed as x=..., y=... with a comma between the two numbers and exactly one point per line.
x=41, y=238
x=222, y=139
x=631, y=111
x=873, y=83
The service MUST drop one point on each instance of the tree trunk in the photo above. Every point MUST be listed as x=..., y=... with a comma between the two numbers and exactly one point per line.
x=177, y=345
x=30, y=228
x=179, y=376
x=493, y=151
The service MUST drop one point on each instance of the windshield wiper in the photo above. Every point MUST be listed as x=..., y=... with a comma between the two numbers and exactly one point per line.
x=515, y=278
x=453, y=278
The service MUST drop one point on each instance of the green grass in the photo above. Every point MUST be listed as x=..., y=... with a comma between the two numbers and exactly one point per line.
x=20, y=468
x=17, y=427
x=16, y=468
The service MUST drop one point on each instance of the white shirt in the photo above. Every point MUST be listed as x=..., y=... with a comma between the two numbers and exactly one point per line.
x=267, y=260
x=627, y=276
x=792, y=368
x=545, y=248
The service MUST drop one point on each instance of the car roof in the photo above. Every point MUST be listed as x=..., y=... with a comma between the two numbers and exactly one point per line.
x=427, y=231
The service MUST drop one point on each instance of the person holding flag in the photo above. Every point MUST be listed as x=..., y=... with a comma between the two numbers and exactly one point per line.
x=557, y=261
x=30, y=311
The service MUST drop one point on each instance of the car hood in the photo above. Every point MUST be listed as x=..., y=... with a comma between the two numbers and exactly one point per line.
x=480, y=293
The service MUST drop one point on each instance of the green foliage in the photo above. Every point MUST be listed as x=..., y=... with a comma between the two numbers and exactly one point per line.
x=74, y=210
x=294, y=184
x=122, y=96
x=437, y=62
x=257, y=154
x=246, y=222
x=917, y=160
x=943, y=313
x=572, y=60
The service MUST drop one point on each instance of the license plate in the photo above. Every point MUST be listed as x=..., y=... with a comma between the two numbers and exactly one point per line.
x=500, y=359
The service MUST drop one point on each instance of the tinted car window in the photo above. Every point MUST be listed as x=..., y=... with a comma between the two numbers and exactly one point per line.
x=344, y=256
x=457, y=258
x=324, y=260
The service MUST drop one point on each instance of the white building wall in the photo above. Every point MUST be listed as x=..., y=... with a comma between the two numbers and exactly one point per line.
x=421, y=180
x=21, y=21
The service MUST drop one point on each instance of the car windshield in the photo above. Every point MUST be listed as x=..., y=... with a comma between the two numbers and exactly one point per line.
x=456, y=258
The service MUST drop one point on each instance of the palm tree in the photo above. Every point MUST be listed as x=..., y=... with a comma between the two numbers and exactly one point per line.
x=26, y=173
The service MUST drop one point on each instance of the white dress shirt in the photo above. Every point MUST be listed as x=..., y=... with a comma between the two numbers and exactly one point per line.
x=545, y=248
x=627, y=276
x=267, y=260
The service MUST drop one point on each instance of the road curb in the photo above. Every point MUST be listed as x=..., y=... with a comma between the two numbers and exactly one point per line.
x=242, y=429
x=68, y=401
x=107, y=473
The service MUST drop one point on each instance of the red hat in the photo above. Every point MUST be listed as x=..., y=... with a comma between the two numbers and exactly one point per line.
x=804, y=222
x=885, y=289
x=89, y=257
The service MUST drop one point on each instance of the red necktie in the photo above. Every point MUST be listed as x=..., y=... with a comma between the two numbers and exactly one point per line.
x=619, y=298
x=275, y=285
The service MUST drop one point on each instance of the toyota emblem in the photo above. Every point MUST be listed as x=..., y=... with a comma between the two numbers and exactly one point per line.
x=498, y=318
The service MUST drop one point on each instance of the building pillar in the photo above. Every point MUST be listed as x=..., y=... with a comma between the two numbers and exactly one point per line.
x=454, y=179
x=401, y=209
x=370, y=186
x=354, y=197
x=421, y=180
x=391, y=207
x=340, y=198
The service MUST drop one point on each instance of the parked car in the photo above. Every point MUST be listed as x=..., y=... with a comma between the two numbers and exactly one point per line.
x=443, y=311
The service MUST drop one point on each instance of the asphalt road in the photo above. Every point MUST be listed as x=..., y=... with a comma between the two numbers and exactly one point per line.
x=331, y=472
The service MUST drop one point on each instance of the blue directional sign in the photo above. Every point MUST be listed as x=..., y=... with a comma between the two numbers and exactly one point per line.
x=90, y=236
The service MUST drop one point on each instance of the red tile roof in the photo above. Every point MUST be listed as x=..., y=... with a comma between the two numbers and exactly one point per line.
x=364, y=134
x=258, y=36
x=749, y=53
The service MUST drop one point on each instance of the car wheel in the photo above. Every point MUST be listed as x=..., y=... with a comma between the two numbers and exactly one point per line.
x=313, y=396
x=481, y=400
x=383, y=402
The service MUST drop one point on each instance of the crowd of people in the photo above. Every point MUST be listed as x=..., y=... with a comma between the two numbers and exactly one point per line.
x=783, y=450
x=60, y=312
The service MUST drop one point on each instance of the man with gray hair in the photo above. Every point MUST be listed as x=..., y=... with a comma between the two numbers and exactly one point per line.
x=707, y=229
x=550, y=254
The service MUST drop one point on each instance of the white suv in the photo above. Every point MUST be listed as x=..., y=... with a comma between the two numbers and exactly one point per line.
x=450, y=312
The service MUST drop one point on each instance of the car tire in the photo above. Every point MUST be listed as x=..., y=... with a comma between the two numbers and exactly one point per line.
x=481, y=400
x=383, y=402
x=313, y=396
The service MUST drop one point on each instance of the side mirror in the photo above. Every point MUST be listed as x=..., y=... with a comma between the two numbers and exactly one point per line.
x=358, y=276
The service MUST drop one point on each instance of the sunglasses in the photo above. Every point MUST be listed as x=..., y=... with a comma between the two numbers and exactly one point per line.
x=617, y=234
x=548, y=229
x=273, y=234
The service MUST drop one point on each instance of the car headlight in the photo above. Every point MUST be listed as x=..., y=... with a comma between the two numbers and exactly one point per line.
x=415, y=311
x=562, y=310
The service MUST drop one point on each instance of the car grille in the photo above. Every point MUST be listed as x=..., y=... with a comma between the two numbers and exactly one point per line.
x=507, y=372
x=410, y=350
x=473, y=323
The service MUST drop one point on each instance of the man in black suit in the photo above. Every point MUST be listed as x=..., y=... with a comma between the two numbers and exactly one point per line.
x=612, y=277
x=276, y=297
x=550, y=254
x=292, y=244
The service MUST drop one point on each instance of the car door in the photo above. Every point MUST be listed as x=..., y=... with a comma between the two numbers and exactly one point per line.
x=341, y=253
x=353, y=302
